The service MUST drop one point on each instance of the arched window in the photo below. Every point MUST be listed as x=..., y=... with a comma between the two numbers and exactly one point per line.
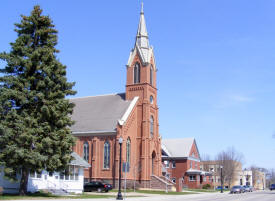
x=106, y=163
x=137, y=73
x=152, y=126
x=86, y=151
x=151, y=75
x=128, y=151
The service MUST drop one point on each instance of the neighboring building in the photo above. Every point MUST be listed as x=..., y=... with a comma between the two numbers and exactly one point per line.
x=214, y=168
x=259, y=179
x=68, y=181
x=239, y=177
x=133, y=115
x=181, y=159
x=245, y=178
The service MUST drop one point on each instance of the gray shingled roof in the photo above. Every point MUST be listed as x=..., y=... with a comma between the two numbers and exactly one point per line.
x=98, y=113
x=178, y=148
x=78, y=161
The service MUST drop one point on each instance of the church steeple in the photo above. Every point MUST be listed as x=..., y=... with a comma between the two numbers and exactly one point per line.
x=142, y=35
x=141, y=82
x=142, y=46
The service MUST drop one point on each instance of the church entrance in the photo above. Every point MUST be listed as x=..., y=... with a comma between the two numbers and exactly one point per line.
x=153, y=162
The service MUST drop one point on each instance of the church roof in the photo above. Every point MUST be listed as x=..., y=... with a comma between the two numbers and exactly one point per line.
x=100, y=114
x=177, y=148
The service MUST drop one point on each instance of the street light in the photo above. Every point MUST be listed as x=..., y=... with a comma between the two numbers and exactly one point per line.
x=119, y=195
x=221, y=179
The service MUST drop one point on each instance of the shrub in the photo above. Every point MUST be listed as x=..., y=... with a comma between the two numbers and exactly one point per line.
x=206, y=186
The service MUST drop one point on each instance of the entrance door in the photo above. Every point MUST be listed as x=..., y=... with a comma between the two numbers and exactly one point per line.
x=153, y=162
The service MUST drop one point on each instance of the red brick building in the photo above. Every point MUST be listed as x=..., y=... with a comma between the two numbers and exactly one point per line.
x=181, y=160
x=133, y=115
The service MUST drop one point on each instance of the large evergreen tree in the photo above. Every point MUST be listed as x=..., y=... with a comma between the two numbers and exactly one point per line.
x=34, y=114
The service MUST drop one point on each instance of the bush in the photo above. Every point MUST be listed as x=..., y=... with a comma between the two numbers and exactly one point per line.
x=206, y=186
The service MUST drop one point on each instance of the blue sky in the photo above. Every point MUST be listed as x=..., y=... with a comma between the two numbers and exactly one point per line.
x=215, y=60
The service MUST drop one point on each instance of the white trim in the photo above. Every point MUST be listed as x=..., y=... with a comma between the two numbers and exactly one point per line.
x=193, y=159
x=165, y=150
x=131, y=57
x=128, y=111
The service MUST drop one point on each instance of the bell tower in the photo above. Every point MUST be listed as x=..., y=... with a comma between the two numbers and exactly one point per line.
x=141, y=82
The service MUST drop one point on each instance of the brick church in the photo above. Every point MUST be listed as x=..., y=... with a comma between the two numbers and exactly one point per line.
x=101, y=120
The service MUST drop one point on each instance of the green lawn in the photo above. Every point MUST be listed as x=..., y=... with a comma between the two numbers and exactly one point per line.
x=204, y=190
x=157, y=192
x=201, y=190
x=41, y=196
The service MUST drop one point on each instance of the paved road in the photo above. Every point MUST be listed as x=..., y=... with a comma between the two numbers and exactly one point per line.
x=255, y=196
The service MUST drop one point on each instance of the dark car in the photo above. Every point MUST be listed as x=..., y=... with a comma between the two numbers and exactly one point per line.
x=97, y=186
x=272, y=187
x=237, y=189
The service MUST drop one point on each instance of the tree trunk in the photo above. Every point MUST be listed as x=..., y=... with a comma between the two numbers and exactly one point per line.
x=24, y=181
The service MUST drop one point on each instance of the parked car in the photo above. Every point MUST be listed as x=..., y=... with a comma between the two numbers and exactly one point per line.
x=220, y=187
x=248, y=188
x=237, y=189
x=97, y=186
x=272, y=187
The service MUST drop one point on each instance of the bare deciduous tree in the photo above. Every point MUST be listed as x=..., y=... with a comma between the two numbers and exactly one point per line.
x=231, y=161
x=270, y=177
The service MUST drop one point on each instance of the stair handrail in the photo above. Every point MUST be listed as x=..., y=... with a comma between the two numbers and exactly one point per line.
x=49, y=182
x=63, y=185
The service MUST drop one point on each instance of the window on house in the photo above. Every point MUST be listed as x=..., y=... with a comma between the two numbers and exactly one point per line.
x=32, y=174
x=76, y=173
x=192, y=178
x=152, y=126
x=174, y=180
x=191, y=166
x=128, y=151
x=195, y=165
x=71, y=173
x=173, y=164
x=62, y=175
x=67, y=177
x=136, y=73
x=106, y=164
x=167, y=164
x=86, y=151
x=37, y=175
x=204, y=178
x=151, y=75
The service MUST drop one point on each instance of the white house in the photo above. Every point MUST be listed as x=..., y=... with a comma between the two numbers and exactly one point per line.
x=60, y=183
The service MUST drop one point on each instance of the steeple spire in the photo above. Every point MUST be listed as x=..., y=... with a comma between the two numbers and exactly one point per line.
x=142, y=47
x=142, y=35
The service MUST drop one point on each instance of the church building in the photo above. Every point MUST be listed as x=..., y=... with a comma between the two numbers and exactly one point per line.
x=133, y=115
